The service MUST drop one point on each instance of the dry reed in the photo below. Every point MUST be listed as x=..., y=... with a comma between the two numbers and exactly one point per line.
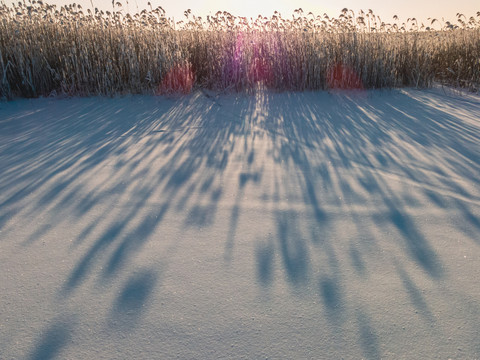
x=46, y=50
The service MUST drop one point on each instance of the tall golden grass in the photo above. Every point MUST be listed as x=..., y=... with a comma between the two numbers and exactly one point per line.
x=47, y=50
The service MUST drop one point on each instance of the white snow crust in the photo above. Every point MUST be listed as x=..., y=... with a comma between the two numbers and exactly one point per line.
x=316, y=225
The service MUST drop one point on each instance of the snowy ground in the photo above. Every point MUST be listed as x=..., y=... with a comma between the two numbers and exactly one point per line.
x=307, y=225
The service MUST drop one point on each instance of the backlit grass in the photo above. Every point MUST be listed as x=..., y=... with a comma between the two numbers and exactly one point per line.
x=47, y=50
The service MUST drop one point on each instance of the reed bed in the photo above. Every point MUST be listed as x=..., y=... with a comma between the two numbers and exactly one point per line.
x=46, y=50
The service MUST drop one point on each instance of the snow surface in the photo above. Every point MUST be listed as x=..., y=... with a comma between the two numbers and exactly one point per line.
x=294, y=225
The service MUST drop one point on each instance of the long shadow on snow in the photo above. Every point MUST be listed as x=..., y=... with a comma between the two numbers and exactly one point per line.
x=334, y=152
x=360, y=143
x=186, y=149
x=129, y=161
x=339, y=153
x=53, y=339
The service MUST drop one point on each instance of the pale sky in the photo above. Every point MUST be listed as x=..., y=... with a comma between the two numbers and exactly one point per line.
x=251, y=8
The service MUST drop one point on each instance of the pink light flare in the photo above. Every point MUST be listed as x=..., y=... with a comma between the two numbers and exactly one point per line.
x=179, y=80
x=343, y=77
